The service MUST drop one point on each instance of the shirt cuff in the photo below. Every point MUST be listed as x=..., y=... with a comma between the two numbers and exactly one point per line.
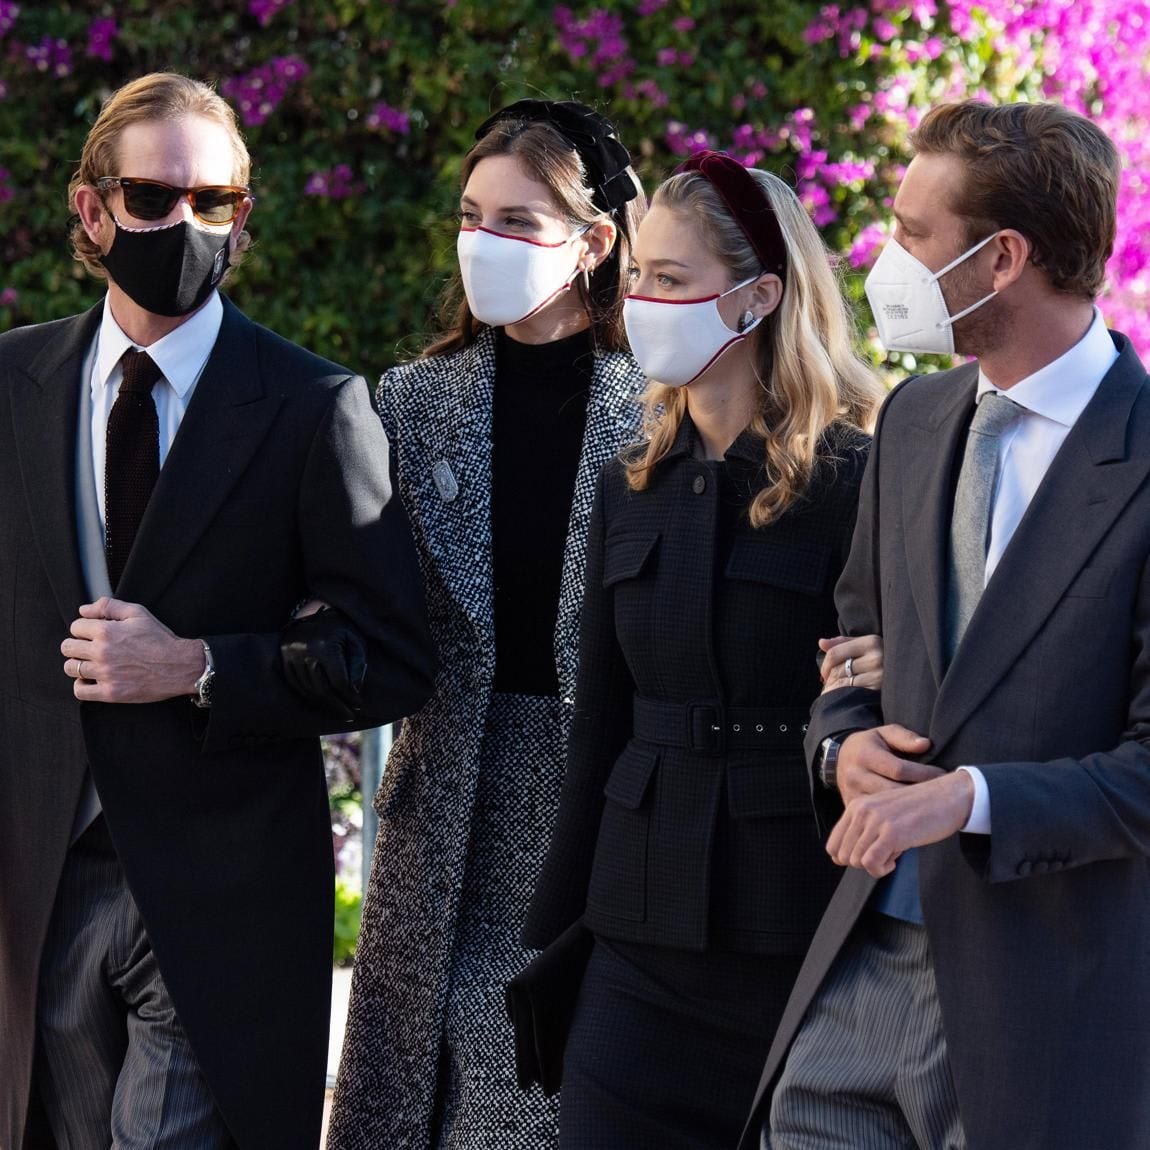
x=979, y=821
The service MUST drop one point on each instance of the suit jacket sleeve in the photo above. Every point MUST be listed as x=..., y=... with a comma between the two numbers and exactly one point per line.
x=857, y=598
x=600, y=729
x=358, y=557
x=1071, y=812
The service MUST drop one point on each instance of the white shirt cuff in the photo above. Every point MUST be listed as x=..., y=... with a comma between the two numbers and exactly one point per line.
x=979, y=821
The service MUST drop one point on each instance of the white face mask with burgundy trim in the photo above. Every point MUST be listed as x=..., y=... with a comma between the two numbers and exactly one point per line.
x=676, y=340
x=507, y=279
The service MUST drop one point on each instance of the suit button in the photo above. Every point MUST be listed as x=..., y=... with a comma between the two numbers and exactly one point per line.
x=699, y=485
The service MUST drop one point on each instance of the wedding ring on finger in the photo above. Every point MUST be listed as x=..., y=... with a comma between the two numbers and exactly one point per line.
x=850, y=680
x=848, y=668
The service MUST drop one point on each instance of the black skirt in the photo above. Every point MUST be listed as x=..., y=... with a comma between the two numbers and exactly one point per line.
x=667, y=1046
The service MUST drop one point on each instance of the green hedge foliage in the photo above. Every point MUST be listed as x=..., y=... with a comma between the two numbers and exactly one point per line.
x=358, y=112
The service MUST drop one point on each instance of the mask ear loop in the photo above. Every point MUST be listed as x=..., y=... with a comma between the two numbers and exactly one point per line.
x=951, y=320
x=747, y=324
x=586, y=269
x=960, y=259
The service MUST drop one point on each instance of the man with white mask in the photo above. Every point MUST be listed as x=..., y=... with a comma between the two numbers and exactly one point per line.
x=977, y=979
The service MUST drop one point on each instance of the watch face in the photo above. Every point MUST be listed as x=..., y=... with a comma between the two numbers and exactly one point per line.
x=203, y=695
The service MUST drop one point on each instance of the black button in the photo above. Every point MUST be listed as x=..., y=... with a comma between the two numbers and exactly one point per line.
x=700, y=484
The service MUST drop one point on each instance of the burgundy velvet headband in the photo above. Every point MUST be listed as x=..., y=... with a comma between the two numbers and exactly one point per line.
x=747, y=203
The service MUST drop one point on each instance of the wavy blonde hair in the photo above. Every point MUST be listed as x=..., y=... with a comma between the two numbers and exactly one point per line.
x=804, y=352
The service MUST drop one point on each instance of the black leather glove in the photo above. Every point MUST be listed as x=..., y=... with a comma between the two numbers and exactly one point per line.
x=325, y=661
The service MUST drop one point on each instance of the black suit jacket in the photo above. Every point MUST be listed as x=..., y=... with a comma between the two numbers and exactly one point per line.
x=1039, y=931
x=711, y=843
x=276, y=487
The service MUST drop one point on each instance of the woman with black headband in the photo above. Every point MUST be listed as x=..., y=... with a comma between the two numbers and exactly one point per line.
x=498, y=431
x=685, y=840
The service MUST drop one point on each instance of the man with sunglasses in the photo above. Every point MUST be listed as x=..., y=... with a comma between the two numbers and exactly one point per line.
x=174, y=482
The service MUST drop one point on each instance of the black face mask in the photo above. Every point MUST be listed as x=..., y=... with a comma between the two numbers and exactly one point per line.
x=168, y=271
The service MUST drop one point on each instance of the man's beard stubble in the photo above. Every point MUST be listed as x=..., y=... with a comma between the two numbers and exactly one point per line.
x=987, y=328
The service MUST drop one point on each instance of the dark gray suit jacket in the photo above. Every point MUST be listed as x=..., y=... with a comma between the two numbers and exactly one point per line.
x=276, y=487
x=1040, y=931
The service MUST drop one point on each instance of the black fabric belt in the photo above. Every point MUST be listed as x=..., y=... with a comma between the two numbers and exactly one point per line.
x=711, y=728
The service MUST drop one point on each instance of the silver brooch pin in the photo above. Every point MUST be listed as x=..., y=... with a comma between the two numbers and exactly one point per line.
x=444, y=481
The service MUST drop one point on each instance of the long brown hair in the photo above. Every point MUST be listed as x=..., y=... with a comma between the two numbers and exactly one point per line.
x=550, y=159
x=809, y=372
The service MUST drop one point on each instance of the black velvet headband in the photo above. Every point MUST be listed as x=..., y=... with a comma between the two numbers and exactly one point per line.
x=605, y=160
x=747, y=203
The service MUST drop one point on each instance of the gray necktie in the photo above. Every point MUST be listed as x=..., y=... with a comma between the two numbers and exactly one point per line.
x=970, y=524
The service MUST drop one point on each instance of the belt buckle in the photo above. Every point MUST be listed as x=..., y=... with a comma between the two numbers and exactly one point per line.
x=706, y=731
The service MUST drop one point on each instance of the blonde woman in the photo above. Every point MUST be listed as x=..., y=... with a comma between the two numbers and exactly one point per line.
x=685, y=838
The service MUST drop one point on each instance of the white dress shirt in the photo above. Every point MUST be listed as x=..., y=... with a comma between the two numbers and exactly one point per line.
x=1053, y=398
x=180, y=356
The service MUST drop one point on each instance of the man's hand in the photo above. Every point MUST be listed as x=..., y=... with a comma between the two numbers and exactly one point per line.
x=868, y=762
x=876, y=828
x=121, y=653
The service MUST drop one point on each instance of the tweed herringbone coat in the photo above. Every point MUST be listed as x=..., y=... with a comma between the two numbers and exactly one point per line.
x=438, y=413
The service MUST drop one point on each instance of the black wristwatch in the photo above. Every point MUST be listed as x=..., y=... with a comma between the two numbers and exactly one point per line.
x=828, y=762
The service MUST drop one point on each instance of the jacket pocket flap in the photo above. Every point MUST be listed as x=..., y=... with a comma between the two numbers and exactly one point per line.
x=771, y=789
x=1092, y=583
x=782, y=564
x=626, y=556
x=631, y=776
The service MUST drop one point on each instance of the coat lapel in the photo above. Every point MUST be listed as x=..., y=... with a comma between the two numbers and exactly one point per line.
x=1089, y=483
x=928, y=498
x=613, y=418
x=227, y=419
x=45, y=410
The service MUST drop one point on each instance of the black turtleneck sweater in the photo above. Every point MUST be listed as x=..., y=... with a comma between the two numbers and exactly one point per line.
x=539, y=418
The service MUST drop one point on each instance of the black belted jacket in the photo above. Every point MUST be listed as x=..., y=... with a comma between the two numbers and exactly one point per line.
x=686, y=817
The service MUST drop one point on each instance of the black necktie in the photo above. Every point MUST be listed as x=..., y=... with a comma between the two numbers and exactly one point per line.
x=132, y=462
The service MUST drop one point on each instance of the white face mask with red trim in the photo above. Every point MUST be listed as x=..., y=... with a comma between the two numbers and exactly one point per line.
x=507, y=279
x=676, y=340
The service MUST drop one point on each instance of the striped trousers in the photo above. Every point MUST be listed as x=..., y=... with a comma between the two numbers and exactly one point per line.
x=869, y=1068
x=113, y=1065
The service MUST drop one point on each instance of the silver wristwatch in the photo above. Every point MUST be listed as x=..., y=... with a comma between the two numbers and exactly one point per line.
x=829, y=762
x=203, y=685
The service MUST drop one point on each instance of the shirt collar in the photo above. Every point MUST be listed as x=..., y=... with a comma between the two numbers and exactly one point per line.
x=180, y=355
x=1060, y=390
